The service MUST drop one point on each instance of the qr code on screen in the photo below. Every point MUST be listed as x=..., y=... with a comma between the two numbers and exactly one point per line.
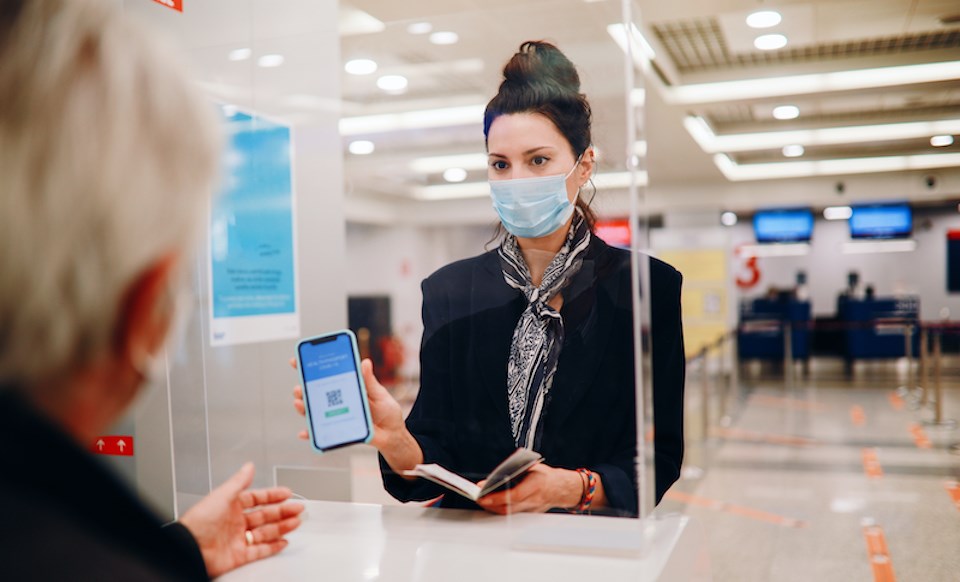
x=334, y=398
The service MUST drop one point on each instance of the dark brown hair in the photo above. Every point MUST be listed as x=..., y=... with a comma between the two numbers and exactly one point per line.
x=541, y=79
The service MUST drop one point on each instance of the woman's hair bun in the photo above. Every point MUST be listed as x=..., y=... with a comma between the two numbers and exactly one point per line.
x=541, y=63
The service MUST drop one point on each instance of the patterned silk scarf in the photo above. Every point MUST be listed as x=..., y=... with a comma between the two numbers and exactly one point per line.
x=538, y=336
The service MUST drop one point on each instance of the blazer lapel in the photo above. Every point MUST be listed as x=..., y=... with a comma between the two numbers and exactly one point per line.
x=578, y=367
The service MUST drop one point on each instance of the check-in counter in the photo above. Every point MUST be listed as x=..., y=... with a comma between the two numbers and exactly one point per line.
x=763, y=322
x=347, y=542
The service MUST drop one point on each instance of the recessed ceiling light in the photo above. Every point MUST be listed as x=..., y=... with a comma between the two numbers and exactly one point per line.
x=360, y=66
x=941, y=141
x=268, y=61
x=728, y=218
x=786, y=112
x=454, y=174
x=770, y=42
x=793, y=150
x=361, y=147
x=392, y=83
x=419, y=28
x=444, y=37
x=763, y=19
x=240, y=54
x=837, y=212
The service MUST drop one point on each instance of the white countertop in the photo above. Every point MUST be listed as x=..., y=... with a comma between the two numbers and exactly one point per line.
x=348, y=541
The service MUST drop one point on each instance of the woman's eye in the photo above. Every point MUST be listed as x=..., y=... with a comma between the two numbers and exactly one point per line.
x=540, y=160
x=499, y=165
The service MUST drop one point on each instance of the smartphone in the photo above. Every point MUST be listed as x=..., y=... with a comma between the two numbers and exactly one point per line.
x=333, y=391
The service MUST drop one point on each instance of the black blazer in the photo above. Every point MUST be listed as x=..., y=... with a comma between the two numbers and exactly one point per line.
x=460, y=417
x=66, y=517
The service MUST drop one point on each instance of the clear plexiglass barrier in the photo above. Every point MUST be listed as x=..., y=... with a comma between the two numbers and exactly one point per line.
x=471, y=207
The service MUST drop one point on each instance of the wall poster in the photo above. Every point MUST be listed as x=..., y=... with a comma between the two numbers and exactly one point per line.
x=252, y=268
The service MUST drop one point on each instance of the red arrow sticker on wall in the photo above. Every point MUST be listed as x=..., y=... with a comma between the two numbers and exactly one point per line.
x=113, y=445
x=173, y=4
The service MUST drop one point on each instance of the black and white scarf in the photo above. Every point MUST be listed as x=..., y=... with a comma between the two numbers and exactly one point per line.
x=538, y=336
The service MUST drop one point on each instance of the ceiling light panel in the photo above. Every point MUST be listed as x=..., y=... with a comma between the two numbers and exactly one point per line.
x=770, y=42
x=240, y=54
x=437, y=164
x=763, y=19
x=772, y=87
x=393, y=83
x=742, y=142
x=419, y=28
x=360, y=66
x=793, y=150
x=940, y=141
x=784, y=112
x=270, y=61
x=837, y=212
x=767, y=171
x=444, y=37
x=408, y=120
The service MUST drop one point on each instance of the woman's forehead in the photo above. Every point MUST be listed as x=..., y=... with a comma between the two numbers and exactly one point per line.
x=520, y=132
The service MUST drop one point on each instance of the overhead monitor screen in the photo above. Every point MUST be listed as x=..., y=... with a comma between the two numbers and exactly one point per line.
x=881, y=221
x=783, y=226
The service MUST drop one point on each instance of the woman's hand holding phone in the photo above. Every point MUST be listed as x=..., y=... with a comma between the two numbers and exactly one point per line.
x=390, y=434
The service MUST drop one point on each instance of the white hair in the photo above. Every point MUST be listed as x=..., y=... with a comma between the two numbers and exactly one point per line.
x=107, y=155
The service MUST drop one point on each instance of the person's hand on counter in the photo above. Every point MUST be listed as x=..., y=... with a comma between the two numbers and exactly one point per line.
x=234, y=525
x=542, y=489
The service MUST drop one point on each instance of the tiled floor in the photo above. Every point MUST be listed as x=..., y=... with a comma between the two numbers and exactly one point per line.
x=836, y=478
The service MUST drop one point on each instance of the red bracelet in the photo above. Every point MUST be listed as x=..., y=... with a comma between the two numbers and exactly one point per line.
x=588, y=491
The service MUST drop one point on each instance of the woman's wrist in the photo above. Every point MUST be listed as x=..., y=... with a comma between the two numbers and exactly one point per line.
x=401, y=451
x=571, y=489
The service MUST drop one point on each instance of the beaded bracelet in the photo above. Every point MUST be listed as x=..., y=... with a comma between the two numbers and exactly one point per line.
x=589, y=490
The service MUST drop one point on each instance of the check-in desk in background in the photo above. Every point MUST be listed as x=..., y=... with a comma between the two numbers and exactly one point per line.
x=357, y=542
x=878, y=327
x=763, y=323
x=864, y=328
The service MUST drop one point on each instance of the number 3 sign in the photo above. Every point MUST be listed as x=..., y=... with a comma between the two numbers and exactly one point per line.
x=751, y=276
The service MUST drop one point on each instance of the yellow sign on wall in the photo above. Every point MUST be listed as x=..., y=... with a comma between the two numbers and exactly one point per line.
x=705, y=297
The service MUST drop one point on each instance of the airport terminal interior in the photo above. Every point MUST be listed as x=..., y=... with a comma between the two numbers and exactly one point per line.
x=798, y=161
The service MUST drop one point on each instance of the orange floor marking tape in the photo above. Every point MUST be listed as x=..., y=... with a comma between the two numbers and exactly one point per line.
x=857, y=416
x=871, y=465
x=878, y=553
x=920, y=437
x=760, y=437
x=794, y=403
x=748, y=512
x=953, y=488
x=896, y=401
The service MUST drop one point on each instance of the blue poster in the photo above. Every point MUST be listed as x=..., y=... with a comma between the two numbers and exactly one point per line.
x=253, y=279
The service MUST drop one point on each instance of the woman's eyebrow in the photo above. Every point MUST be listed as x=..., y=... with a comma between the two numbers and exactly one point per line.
x=526, y=153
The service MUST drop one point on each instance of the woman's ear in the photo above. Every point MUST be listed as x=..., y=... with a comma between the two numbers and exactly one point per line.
x=587, y=163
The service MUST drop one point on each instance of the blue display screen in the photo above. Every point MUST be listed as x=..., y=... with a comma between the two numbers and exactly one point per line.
x=772, y=226
x=334, y=397
x=881, y=221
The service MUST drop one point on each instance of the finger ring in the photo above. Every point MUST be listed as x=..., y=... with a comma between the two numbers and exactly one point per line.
x=249, y=535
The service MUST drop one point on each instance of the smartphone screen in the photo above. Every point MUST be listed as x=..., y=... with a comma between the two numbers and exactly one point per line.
x=333, y=391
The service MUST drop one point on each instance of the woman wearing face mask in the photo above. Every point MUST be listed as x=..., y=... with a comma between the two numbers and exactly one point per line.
x=531, y=344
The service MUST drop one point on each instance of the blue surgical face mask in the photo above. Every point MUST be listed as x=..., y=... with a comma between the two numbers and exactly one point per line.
x=533, y=207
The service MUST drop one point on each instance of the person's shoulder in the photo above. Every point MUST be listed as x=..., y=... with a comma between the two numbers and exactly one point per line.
x=463, y=269
x=664, y=270
x=659, y=270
